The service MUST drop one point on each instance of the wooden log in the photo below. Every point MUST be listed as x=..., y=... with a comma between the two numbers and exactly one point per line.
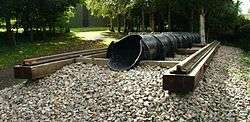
x=187, y=82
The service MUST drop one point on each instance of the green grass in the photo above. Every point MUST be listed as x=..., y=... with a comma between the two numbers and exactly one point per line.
x=89, y=29
x=63, y=43
x=78, y=39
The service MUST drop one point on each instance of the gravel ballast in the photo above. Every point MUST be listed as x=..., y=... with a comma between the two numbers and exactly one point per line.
x=93, y=93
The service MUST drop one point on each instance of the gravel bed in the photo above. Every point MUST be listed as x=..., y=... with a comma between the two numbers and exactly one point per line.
x=93, y=93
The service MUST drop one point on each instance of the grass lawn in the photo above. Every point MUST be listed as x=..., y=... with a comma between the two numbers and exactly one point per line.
x=97, y=33
x=11, y=56
x=78, y=39
x=88, y=29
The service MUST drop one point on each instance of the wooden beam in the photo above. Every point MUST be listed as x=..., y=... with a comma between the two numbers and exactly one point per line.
x=63, y=56
x=103, y=62
x=163, y=64
x=182, y=51
x=40, y=71
x=198, y=45
x=95, y=61
x=187, y=82
x=99, y=55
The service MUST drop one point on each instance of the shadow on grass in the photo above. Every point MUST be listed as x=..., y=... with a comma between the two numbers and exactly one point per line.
x=60, y=43
x=113, y=35
x=89, y=29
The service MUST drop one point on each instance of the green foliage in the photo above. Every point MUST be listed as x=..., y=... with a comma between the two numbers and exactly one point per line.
x=108, y=8
x=221, y=16
x=58, y=44
x=31, y=14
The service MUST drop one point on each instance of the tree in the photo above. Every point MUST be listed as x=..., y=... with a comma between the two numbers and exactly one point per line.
x=109, y=8
x=37, y=14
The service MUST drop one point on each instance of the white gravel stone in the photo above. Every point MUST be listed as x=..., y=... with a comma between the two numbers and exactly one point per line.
x=85, y=92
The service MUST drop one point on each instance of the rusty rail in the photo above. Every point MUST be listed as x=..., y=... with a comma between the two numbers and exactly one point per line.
x=63, y=56
x=185, y=76
x=191, y=62
x=36, y=68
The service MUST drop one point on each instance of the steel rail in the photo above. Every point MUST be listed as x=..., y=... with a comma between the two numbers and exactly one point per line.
x=63, y=56
x=189, y=63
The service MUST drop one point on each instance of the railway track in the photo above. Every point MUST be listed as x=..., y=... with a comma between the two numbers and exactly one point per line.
x=185, y=76
x=36, y=68
x=182, y=76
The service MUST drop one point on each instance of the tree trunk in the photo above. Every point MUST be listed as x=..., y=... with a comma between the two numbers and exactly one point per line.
x=43, y=33
x=54, y=29
x=138, y=24
x=169, y=18
x=119, y=23
x=111, y=25
x=152, y=22
x=10, y=39
x=67, y=29
x=130, y=23
x=143, y=20
x=125, y=25
x=191, y=22
x=202, y=27
x=160, y=22
x=8, y=24
x=31, y=33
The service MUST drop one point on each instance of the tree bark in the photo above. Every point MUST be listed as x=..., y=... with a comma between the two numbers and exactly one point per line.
x=119, y=23
x=153, y=22
x=169, y=18
x=143, y=20
x=10, y=39
x=8, y=24
x=130, y=23
x=111, y=25
x=202, y=27
x=138, y=24
x=191, y=23
x=125, y=24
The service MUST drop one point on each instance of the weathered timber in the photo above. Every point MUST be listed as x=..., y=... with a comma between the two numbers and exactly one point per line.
x=190, y=62
x=98, y=55
x=198, y=45
x=40, y=67
x=163, y=64
x=41, y=70
x=103, y=62
x=63, y=56
x=95, y=61
x=184, y=51
x=187, y=82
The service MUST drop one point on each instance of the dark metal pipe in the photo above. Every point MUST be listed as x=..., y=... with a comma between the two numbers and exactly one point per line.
x=126, y=53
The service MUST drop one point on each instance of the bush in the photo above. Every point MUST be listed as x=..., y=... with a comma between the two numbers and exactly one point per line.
x=243, y=36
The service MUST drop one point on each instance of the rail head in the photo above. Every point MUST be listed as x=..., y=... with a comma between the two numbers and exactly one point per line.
x=187, y=65
x=56, y=57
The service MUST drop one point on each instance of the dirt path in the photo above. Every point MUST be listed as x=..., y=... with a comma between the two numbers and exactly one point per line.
x=106, y=36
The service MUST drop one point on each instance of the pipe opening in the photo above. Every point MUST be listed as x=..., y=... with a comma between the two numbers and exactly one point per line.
x=125, y=53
